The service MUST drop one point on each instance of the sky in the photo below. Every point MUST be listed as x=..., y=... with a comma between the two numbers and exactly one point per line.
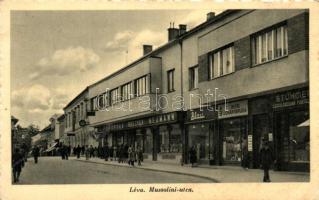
x=56, y=54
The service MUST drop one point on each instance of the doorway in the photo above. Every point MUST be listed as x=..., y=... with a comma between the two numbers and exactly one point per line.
x=260, y=130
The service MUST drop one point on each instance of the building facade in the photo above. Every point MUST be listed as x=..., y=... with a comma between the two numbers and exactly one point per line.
x=223, y=87
x=76, y=122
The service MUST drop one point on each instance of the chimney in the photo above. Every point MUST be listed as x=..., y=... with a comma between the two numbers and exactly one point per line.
x=182, y=29
x=147, y=49
x=210, y=16
x=172, y=32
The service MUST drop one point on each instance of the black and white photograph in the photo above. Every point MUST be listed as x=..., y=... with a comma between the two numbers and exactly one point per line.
x=160, y=96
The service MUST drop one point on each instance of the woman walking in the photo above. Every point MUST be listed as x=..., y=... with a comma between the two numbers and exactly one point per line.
x=192, y=156
x=266, y=159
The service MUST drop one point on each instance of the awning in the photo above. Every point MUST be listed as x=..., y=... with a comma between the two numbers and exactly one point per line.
x=52, y=147
x=305, y=123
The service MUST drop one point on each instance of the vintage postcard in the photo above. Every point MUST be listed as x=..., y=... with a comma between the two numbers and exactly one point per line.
x=146, y=100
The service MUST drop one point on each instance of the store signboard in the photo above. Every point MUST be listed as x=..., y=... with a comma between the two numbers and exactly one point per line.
x=158, y=119
x=250, y=142
x=233, y=109
x=291, y=98
x=201, y=114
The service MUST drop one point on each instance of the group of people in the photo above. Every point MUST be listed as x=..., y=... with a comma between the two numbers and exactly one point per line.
x=65, y=151
x=121, y=153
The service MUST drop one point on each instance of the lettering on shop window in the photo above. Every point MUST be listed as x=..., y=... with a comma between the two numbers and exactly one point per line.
x=197, y=115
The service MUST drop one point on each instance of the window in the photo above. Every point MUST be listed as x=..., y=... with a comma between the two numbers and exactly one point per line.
x=221, y=62
x=193, y=77
x=127, y=91
x=170, y=80
x=115, y=96
x=106, y=99
x=270, y=45
x=94, y=103
x=101, y=101
x=141, y=86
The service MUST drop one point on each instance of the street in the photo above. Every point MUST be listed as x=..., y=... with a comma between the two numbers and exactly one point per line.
x=54, y=170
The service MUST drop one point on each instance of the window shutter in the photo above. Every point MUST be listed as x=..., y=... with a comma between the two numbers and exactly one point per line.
x=242, y=53
x=203, y=68
x=298, y=33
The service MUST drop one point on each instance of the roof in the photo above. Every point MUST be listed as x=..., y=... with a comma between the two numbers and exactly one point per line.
x=14, y=119
x=76, y=98
x=47, y=128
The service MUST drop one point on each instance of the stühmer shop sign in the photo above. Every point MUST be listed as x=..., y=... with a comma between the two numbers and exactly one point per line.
x=291, y=98
x=233, y=109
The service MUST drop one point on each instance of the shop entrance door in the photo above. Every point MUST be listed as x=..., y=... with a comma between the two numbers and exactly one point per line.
x=260, y=129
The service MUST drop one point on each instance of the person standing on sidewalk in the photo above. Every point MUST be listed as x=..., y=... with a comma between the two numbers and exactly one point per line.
x=139, y=155
x=266, y=159
x=192, y=155
x=17, y=164
x=131, y=156
x=87, y=153
x=78, y=151
x=106, y=152
x=35, y=153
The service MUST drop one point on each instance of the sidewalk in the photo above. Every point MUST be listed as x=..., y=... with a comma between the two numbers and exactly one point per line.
x=224, y=174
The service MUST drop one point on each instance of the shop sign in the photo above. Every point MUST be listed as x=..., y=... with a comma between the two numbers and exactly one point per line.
x=158, y=119
x=291, y=98
x=250, y=142
x=200, y=114
x=233, y=109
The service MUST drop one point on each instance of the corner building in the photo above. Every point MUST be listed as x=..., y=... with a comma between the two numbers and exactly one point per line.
x=254, y=62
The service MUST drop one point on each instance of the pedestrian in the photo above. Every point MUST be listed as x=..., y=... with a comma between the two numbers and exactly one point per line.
x=245, y=156
x=66, y=152
x=266, y=159
x=35, y=153
x=78, y=151
x=139, y=155
x=115, y=152
x=87, y=153
x=125, y=153
x=131, y=156
x=90, y=151
x=106, y=152
x=192, y=155
x=121, y=154
x=62, y=151
x=69, y=150
x=74, y=151
x=17, y=164
x=83, y=150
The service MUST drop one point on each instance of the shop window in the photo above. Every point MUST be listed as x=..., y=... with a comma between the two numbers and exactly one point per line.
x=221, y=62
x=170, y=140
x=115, y=96
x=270, y=45
x=199, y=138
x=233, y=131
x=299, y=136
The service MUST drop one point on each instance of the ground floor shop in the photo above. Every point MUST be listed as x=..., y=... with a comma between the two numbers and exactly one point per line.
x=233, y=133
x=160, y=136
x=84, y=136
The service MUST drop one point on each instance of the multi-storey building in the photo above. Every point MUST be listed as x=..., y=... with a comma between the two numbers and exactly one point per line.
x=222, y=87
x=256, y=61
x=76, y=122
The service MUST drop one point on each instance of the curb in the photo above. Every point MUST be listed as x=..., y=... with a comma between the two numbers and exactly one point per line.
x=157, y=170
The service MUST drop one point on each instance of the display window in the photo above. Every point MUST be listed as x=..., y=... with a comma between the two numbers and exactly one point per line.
x=299, y=136
x=170, y=139
x=233, y=132
x=198, y=137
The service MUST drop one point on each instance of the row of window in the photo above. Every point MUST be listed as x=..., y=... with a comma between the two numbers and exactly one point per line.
x=136, y=88
x=78, y=113
x=266, y=46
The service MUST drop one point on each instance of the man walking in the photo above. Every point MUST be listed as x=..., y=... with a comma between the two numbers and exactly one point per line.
x=35, y=153
x=266, y=159
x=17, y=164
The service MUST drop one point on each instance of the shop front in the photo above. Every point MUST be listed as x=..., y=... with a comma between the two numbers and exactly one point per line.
x=233, y=132
x=292, y=129
x=200, y=134
x=159, y=136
